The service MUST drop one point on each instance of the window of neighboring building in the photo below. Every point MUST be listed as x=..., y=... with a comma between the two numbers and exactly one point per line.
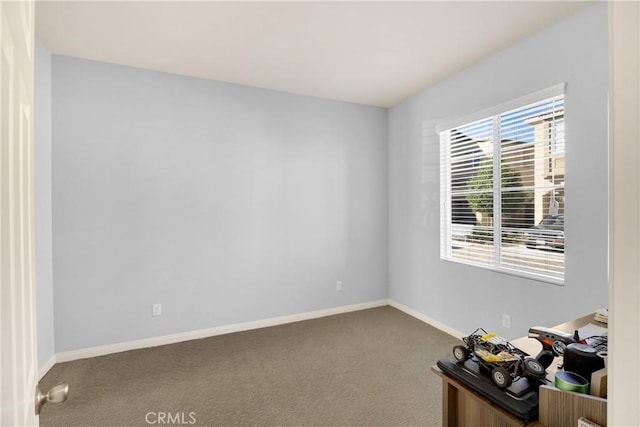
x=502, y=187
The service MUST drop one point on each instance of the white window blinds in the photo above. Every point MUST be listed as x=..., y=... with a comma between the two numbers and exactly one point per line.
x=502, y=189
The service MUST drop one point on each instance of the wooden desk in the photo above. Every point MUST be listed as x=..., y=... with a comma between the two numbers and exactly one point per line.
x=533, y=346
x=462, y=406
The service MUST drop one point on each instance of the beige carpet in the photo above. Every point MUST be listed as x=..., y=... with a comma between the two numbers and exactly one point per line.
x=366, y=368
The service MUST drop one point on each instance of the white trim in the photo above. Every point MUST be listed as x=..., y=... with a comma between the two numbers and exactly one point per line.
x=428, y=320
x=525, y=274
x=85, y=353
x=549, y=92
x=47, y=366
x=624, y=214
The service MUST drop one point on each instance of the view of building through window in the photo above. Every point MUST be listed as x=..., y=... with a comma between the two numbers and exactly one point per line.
x=516, y=159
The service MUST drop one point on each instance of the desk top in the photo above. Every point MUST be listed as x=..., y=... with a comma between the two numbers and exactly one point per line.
x=572, y=409
x=533, y=346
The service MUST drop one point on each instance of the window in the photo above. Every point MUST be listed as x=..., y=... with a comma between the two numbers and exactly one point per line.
x=502, y=187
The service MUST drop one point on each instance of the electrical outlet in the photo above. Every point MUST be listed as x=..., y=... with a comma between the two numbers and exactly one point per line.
x=506, y=320
x=157, y=309
x=338, y=285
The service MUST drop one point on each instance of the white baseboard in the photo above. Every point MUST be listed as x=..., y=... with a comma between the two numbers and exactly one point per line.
x=48, y=365
x=85, y=353
x=426, y=319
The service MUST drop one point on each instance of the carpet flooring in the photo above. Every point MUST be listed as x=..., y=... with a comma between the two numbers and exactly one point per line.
x=365, y=368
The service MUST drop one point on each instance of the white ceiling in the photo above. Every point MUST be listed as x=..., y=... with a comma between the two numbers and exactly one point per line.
x=375, y=53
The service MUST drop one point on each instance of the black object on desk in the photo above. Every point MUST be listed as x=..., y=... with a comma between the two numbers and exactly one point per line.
x=582, y=359
x=520, y=399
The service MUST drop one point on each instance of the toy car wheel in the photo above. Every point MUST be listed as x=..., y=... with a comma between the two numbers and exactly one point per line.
x=533, y=368
x=501, y=377
x=460, y=353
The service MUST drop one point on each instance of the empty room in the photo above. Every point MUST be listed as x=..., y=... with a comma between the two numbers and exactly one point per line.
x=320, y=213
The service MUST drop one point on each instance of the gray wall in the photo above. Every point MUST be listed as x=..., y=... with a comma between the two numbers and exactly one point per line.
x=42, y=159
x=465, y=297
x=224, y=203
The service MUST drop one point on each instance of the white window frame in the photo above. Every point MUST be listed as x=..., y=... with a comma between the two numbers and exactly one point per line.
x=445, y=185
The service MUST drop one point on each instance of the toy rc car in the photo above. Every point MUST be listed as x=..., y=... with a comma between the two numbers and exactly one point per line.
x=506, y=362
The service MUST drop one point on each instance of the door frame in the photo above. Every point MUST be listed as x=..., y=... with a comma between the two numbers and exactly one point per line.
x=18, y=343
x=624, y=214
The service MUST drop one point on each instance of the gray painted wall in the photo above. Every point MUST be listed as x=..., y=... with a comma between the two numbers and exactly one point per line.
x=464, y=297
x=224, y=203
x=43, y=227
